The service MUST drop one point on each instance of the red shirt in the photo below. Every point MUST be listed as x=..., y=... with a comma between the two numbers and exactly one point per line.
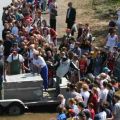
x=53, y=33
x=94, y=100
x=92, y=113
x=82, y=65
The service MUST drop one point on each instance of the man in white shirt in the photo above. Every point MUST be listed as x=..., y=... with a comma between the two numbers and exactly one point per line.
x=39, y=62
x=104, y=93
x=15, y=61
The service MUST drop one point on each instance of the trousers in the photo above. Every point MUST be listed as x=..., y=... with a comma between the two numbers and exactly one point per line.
x=44, y=75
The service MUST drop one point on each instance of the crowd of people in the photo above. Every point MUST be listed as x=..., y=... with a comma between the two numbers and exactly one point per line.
x=30, y=45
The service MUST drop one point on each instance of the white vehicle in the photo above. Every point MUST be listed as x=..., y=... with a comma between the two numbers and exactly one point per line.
x=12, y=107
x=25, y=90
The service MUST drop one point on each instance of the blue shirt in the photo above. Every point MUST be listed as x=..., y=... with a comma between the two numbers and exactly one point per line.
x=61, y=117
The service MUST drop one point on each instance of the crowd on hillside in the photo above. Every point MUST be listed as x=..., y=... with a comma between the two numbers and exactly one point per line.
x=30, y=45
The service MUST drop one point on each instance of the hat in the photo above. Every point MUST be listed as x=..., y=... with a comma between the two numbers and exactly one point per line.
x=106, y=69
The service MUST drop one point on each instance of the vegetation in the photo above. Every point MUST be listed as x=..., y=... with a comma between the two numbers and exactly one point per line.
x=105, y=8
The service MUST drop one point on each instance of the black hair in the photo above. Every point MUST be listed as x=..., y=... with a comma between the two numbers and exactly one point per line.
x=105, y=84
x=109, y=86
x=72, y=87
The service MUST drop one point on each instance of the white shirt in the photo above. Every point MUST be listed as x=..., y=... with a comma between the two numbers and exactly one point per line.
x=62, y=104
x=31, y=53
x=47, y=38
x=103, y=115
x=116, y=111
x=9, y=59
x=28, y=28
x=118, y=13
x=101, y=83
x=111, y=41
x=104, y=94
x=39, y=62
x=85, y=95
x=68, y=13
x=72, y=46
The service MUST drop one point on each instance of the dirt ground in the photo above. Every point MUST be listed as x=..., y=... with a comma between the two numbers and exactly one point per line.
x=85, y=14
x=31, y=116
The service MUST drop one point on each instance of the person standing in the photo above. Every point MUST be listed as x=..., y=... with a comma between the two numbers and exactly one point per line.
x=39, y=63
x=112, y=40
x=15, y=61
x=53, y=14
x=71, y=16
x=61, y=113
x=116, y=109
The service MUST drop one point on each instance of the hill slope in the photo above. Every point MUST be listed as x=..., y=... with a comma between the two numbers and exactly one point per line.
x=97, y=15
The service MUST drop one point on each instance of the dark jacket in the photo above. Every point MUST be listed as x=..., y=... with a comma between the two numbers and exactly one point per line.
x=72, y=15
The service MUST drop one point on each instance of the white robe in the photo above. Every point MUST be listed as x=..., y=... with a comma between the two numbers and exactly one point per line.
x=63, y=68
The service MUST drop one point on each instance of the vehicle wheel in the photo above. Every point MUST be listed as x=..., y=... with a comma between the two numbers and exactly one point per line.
x=15, y=109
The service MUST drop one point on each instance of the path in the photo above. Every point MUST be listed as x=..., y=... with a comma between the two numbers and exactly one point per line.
x=85, y=14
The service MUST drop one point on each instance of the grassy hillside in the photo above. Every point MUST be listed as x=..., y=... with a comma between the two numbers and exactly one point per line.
x=96, y=13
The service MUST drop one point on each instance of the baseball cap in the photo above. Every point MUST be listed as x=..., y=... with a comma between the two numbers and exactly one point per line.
x=106, y=69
